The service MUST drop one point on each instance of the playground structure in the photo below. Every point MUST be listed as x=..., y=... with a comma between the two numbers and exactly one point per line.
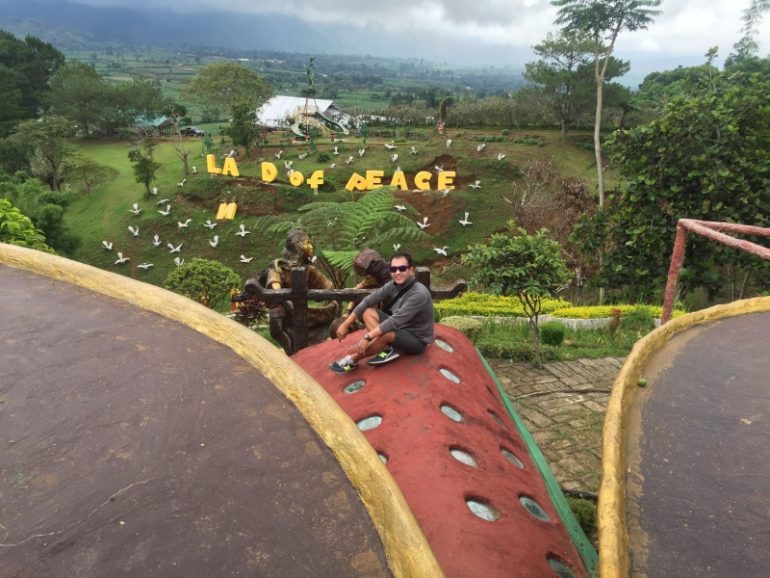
x=309, y=118
x=174, y=441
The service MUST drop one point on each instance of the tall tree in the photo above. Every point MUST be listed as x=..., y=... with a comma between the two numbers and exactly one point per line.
x=79, y=93
x=562, y=59
x=48, y=141
x=144, y=163
x=226, y=84
x=752, y=16
x=603, y=21
x=26, y=67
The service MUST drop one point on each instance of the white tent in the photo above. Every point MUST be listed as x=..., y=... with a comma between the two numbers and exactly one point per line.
x=275, y=112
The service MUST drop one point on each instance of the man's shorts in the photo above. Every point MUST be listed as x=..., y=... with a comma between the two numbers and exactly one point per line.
x=404, y=342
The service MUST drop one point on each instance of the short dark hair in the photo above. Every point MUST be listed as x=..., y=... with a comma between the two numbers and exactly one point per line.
x=403, y=255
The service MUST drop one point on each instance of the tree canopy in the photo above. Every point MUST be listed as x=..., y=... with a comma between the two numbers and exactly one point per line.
x=26, y=67
x=223, y=85
x=707, y=156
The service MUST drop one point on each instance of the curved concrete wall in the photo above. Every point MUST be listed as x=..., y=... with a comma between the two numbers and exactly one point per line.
x=408, y=552
x=614, y=559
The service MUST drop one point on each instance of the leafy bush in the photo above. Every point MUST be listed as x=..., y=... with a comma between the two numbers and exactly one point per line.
x=513, y=350
x=468, y=326
x=324, y=157
x=17, y=229
x=585, y=513
x=552, y=333
x=530, y=140
x=207, y=282
x=485, y=305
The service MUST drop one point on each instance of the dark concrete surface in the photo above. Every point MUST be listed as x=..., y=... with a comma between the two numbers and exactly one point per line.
x=131, y=445
x=699, y=482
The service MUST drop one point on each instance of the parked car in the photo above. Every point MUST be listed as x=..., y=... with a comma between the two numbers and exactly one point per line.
x=192, y=131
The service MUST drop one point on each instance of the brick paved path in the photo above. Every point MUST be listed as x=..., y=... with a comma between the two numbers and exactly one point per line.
x=563, y=405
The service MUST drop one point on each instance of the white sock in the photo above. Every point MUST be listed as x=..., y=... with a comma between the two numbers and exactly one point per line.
x=345, y=360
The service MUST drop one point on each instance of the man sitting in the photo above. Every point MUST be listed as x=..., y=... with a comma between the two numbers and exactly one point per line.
x=405, y=325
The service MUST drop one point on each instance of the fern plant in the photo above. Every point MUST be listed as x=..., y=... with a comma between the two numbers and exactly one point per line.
x=340, y=230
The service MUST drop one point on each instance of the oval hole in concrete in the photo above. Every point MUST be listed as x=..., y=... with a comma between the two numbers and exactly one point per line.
x=511, y=457
x=482, y=509
x=463, y=456
x=534, y=508
x=561, y=570
x=354, y=387
x=441, y=344
x=370, y=422
x=451, y=413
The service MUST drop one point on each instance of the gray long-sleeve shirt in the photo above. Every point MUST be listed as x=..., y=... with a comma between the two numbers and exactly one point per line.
x=413, y=312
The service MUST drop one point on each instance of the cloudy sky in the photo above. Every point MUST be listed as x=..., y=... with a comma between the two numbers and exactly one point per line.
x=681, y=34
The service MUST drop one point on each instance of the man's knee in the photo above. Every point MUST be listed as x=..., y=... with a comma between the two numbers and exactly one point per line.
x=371, y=314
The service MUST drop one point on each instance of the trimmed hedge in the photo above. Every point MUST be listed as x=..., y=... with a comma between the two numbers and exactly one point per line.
x=513, y=350
x=598, y=311
x=486, y=305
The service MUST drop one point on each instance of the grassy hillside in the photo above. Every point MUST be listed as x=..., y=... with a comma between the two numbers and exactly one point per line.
x=104, y=214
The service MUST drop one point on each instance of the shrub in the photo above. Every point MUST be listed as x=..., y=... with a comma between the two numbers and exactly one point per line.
x=585, y=513
x=469, y=327
x=323, y=157
x=552, y=333
x=513, y=350
x=207, y=282
x=598, y=311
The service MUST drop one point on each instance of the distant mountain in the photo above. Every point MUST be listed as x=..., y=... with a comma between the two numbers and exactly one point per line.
x=70, y=25
x=74, y=26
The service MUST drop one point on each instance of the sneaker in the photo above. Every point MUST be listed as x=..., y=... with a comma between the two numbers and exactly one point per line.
x=343, y=365
x=384, y=356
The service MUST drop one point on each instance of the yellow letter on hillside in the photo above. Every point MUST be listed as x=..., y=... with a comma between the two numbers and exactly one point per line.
x=446, y=180
x=269, y=172
x=398, y=180
x=356, y=183
x=374, y=178
x=422, y=180
x=211, y=165
x=230, y=168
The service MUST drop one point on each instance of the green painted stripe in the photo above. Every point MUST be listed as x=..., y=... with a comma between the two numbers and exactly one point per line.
x=579, y=538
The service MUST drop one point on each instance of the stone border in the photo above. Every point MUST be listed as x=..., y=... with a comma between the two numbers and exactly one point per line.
x=405, y=545
x=614, y=559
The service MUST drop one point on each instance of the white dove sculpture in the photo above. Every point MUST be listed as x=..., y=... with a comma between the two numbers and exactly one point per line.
x=424, y=224
x=178, y=261
x=500, y=156
x=214, y=241
x=135, y=209
x=156, y=240
x=107, y=245
x=121, y=259
x=481, y=147
x=390, y=147
x=209, y=225
x=145, y=266
x=242, y=232
x=476, y=184
x=134, y=230
x=174, y=249
x=464, y=221
x=441, y=250
x=245, y=259
x=183, y=224
x=165, y=212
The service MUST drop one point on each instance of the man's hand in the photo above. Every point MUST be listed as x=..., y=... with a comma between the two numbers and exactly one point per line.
x=361, y=347
x=343, y=330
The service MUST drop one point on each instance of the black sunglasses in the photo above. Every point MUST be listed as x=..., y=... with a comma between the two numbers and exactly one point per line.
x=401, y=268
